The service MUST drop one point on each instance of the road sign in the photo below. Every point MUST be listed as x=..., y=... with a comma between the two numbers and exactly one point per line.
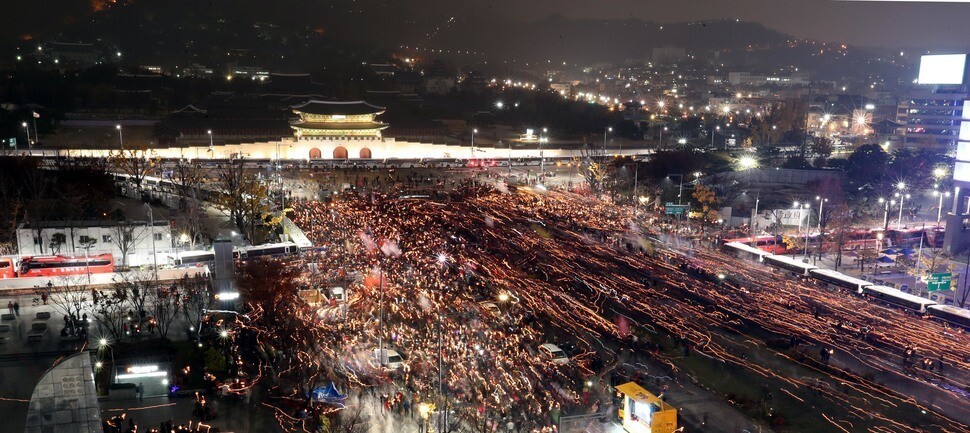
x=675, y=209
x=939, y=282
x=13, y=142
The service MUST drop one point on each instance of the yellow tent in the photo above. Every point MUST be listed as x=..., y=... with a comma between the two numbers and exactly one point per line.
x=643, y=412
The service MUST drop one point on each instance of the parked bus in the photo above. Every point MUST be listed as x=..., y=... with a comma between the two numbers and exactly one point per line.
x=52, y=266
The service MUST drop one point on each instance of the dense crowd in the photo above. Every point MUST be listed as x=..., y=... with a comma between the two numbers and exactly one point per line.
x=564, y=268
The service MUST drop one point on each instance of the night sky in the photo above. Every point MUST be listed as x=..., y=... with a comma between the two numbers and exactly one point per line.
x=892, y=24
x=869, y=23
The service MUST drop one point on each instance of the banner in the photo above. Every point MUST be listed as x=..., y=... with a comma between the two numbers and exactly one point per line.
x=792, y=217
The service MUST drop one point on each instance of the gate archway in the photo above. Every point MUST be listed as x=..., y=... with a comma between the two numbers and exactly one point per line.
x=315, y=153
x=365, y=153
x=340, y=152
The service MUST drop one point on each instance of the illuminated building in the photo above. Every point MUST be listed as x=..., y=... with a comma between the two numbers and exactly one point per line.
x=329, y=120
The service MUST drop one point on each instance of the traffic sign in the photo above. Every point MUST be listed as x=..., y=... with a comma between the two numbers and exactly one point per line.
x=675, y=209
x=937, y=282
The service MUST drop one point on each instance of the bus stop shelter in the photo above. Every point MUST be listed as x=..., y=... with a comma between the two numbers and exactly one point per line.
x=643, y=412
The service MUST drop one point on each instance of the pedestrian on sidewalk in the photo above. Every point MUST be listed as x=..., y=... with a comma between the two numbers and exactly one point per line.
x=10, y=306
x=16, y=308
x=43, y=297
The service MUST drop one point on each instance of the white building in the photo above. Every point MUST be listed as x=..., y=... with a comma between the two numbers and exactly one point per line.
x=136, y=239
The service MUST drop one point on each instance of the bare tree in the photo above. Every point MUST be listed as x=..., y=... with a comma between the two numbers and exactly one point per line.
x=110, y=310
x=68, y=294
x=194, y=299
x=164, y=308
x=245, y=200
x=188, y=178
x=125, y=235
x=136, y=163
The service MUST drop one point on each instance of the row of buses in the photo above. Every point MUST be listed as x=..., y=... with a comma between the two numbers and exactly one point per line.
x=854, y=240
x=888, y=295
x=61, y=265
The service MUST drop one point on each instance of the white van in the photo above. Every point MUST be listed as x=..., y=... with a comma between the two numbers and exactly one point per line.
x=553, y=353
x=391, y=358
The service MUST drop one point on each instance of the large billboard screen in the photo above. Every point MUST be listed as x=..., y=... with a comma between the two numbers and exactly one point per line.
x=942, y=68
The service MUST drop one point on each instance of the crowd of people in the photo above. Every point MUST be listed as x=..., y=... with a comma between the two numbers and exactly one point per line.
x=560, y=268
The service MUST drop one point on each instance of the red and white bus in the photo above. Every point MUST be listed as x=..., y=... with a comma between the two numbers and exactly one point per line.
x=7, y=267
x=52, y=266
x=771, y=244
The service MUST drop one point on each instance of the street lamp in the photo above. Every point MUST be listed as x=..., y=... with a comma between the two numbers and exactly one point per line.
x=680, y=192
x=151, y=232
x=821, y=204
x=939, y=211
x=608, y=130
x=121, y=138
x=542, y=159
x=474, y=131
x=713, y=133
x=661, y=141
x=27, y=128
x=902, y=198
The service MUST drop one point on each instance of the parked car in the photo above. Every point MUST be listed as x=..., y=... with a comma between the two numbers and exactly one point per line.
x=553, y=353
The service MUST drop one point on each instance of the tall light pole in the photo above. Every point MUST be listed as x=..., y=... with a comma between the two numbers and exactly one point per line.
x=542, y=159
x=121, y=139
x=713, y=133
x=821, y=205
x=902, y=197
x=474, y=131
x=939, y=211
x=808, y=229
x=757, y=201
x=661, y=141
x=443, y=261
x=608, y=130
x=680, y=191
x=151, y=232
x=885, y=215
x=510, y=157
x=27, y=128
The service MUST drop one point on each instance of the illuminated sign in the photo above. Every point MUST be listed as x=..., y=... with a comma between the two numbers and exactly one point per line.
x=142, y=369
x=942, y=69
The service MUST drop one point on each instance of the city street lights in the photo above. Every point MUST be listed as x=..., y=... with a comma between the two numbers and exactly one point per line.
x=27, y=128
x=680, y=191
x=661, y=142
x=821, y=205
x=607, y=131
x=542, y=159
x=713, y=133
x=939, y=211
x=121, y=138
x=474, y=131
x=151, y=232
x=902, y=198
x=885, y=216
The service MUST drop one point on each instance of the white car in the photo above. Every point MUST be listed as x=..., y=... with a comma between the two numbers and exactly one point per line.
x=390, y=359
x=554, y=353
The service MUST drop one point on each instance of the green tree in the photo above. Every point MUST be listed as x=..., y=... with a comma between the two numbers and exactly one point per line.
x=867, y=164
x=215, y=361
